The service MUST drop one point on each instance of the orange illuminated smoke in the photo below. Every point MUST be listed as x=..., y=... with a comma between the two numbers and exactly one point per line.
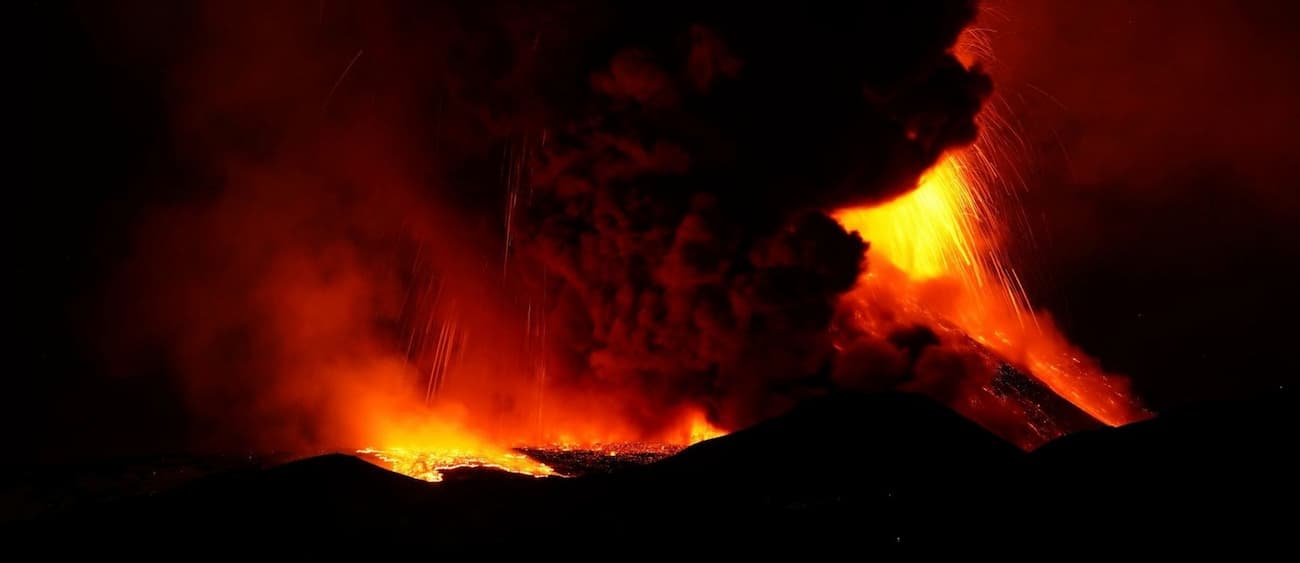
x=935, y=254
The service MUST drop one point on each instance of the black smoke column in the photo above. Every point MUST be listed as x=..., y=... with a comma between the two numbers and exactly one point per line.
x=682, y=200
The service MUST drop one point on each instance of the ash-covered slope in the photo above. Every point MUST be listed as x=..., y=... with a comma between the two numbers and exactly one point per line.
x=868, y=473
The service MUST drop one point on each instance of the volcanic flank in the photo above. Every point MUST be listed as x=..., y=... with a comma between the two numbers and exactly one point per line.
x=877, y=473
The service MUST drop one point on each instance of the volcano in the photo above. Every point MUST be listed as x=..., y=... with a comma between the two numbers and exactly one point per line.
x=592, y=276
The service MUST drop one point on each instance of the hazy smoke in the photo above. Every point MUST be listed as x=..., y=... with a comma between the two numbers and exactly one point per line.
x=314, y=223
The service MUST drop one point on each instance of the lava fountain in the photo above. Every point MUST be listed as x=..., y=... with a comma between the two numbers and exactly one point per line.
x=944, y=263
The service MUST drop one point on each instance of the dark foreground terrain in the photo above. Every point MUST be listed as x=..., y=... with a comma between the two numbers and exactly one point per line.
x=846, y=474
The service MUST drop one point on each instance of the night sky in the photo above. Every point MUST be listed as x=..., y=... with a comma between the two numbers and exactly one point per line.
x=1160, y=208
x=1161, y=196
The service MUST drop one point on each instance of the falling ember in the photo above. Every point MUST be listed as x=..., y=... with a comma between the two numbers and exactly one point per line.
x=945, y=265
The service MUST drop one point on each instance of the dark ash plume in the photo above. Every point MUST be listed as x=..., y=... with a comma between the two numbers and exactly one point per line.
x=682, y=196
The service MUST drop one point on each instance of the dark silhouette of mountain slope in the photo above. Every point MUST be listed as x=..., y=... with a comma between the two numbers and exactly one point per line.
x=864, y=473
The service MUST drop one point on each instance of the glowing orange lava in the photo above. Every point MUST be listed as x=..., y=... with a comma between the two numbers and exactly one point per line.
x=428, y=465
x=701, y=429
x=448, y=449
x=935, y=253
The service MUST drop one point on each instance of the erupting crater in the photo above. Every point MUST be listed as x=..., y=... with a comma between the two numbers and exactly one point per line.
x=555, y=459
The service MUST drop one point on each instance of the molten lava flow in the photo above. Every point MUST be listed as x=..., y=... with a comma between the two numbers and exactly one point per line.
x=455, y=448
x=942, y=264
x=429, y=465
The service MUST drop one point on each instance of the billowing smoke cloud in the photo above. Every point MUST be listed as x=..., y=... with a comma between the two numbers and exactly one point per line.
x=662, y=171
x=683, y=202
